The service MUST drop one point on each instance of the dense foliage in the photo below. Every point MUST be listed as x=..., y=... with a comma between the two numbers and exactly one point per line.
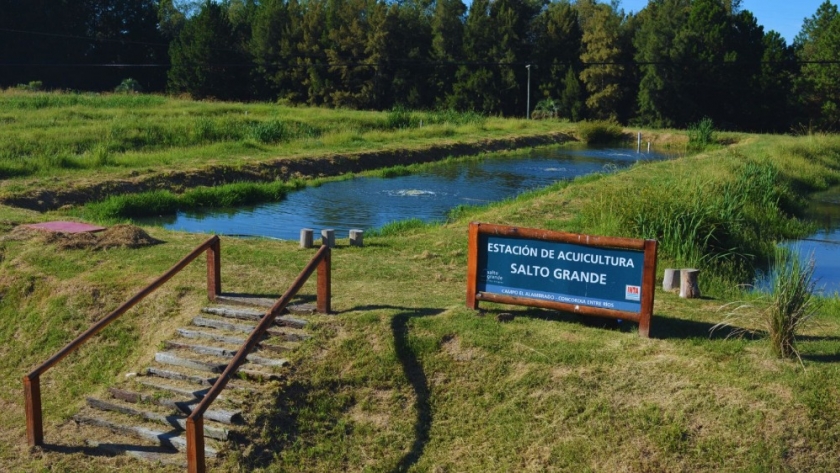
x=673, y=63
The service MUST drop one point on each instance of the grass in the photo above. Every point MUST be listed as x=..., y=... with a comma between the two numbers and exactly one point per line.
x=164, y=202
x=51, y=140
x=405, y=378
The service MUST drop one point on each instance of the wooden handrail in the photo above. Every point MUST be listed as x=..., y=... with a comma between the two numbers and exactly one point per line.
x=32, y=382
x=195, y=422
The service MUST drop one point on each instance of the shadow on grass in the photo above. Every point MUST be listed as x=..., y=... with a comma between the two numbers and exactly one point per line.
x=824, y=358
x=662, y=326
x=414, y=373
x=413, y=370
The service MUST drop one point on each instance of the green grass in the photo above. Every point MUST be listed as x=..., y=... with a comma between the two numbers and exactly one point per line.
x=405, y=378
x=55, y=139
x=156, y=203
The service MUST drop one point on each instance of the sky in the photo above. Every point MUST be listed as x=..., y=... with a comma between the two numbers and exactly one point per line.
x=784, y=16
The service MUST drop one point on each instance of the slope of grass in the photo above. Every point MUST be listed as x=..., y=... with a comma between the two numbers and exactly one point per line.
x=404, y=378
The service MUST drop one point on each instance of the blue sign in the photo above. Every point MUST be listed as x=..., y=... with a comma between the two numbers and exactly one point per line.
x=568, y=273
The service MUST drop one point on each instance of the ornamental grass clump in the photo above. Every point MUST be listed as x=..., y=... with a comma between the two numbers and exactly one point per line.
x=792, y=301
x=787, y=308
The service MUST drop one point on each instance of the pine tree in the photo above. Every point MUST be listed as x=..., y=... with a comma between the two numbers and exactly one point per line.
x=447, y=46
x=206, y=60
x=557, y=48
x=572, y=99
x=819, y=81
x=604, y=75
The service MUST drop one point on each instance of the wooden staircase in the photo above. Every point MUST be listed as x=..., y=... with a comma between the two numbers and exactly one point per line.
x=146, y=414
x=175, y=395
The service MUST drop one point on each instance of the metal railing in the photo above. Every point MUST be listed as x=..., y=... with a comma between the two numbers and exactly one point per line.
x=32, y=381
x=195, y=422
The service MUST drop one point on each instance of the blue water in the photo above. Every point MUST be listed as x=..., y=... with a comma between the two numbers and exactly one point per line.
x=370, y=202
x=824, y=246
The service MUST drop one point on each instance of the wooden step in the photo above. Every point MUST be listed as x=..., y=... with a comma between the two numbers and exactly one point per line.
x=167, y=358
x=215, y=337
x=253, y=315
x=192, y=395
x=265, y=302
x=167, y=439
x=242, y=328
x=247, y=300
x=197, y=334
x=153, y=374
x=201, y=349
x=160, y=456
x=170, y=420
x=219, y=415
x=174, y=359
x=189, y=378
x=226, y=353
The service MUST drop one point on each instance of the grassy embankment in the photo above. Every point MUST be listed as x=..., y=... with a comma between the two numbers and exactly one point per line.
x=404, y=377
x=52, y=140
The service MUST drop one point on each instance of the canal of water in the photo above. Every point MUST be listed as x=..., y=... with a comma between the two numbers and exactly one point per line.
x=824, y=246
x=371, y=202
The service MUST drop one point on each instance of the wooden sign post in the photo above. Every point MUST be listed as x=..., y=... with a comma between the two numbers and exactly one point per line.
x=592, y=275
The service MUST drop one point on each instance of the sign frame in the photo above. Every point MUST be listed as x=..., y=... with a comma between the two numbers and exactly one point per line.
x=648, y=247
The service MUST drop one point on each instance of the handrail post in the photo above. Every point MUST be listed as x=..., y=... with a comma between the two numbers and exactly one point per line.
x=324, y=283
x=214, y=270
x=34, y=424
x=195, y=445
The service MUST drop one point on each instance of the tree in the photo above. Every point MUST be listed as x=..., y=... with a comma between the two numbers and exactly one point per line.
x=275, y=48
x=447, y=26
x=409, y=48
x=572, y=98
x=776, y=109
x=497, y=43
x=474, y=88
x=819, y=81
x=557, y=48
x=357, y=35
x=604, y=75
x=206, y=60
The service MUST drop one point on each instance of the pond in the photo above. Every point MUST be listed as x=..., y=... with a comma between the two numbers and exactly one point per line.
x=371, y=202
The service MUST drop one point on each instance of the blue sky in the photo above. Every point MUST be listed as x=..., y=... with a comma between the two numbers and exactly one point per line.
x=784, y=16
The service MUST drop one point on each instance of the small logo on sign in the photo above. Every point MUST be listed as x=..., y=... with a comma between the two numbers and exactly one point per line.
x=633, y=293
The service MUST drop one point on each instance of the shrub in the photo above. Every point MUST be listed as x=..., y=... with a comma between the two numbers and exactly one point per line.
x=129, y=86
x=399, y=117
x=546, y=108
x=31, y=86
x=599, y=132
x=701, y=134
x=272, y=131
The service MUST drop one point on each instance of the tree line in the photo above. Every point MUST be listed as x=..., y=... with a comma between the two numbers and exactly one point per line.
x=671, y=64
